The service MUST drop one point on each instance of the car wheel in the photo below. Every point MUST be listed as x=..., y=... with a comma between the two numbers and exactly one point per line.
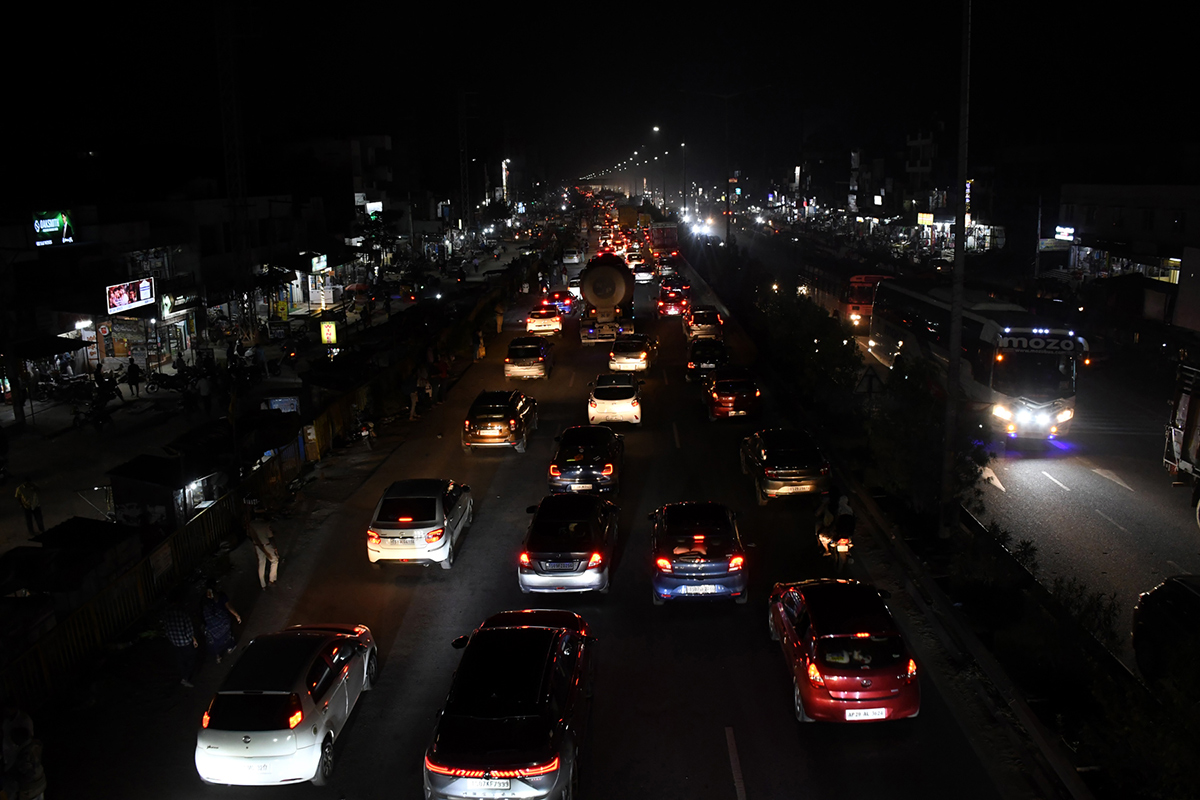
x=372, y=672
x=325, y=765
x=151, y=388
x=658, y=601
x=520, y=446
x=759, y=494
x=470, y=515
x=771, y=629
x=449, y=562
x=798, y=703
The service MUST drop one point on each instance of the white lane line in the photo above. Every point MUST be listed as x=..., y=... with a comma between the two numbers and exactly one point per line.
x=739, y=785
x=1107, y=517
x=675, y=428
x=1176, y=569
x=990, y=477
x=571, y=382
x=1060, y=483
x=1112, y=476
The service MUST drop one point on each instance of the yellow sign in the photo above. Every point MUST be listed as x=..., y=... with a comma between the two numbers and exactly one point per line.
x=924, y=219
x=281, y=309
x=328, y=333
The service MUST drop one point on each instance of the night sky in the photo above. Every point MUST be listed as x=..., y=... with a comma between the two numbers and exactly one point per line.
x=564, y=96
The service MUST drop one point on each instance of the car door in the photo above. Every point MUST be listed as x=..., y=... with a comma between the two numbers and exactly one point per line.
x=752, y=450
x=350, y=661
x=327, y=688
x=570, y=703
x=793, y=623
x=454, y=510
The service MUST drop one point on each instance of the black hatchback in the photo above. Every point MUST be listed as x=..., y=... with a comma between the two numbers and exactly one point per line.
x=704, y=356
x=589, y=459
x=515, y=718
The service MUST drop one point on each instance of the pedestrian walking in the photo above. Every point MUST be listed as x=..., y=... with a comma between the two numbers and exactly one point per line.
x=177, y=625
x=480, y=348
x=262, y=536
x=499, y=317
x=410, y=387
x=219, y=616
x=439, y=378
x=205, y=390
x=27, y=496
x=24, y=779
x=133, y=377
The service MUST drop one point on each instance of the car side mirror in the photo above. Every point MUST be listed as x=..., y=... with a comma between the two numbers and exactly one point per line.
x=531, y=510
x=460, y=642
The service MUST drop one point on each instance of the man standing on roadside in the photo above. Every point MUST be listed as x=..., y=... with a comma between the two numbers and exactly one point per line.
x=262, y=537
x=499, y=317
x=177, y=625
x=27, y=496
x=133, y=377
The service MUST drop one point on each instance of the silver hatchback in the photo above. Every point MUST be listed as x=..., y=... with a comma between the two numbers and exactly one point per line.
x=569, y=546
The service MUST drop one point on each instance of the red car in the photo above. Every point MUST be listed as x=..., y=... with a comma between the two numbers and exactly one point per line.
x=847, y=658
x=731, y=392
x=672, y=302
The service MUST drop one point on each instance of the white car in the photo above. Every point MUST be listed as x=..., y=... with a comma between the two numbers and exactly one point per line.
x=278, y=711
x=632, y=352
x=572, y=257
x=615, y=398
x=420, y=521
x=544, y=321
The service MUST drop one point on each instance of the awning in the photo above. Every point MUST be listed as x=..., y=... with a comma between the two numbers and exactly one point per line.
x=47, y=346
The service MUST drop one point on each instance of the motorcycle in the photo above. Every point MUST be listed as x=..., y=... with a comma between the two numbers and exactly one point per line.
x=835, y=533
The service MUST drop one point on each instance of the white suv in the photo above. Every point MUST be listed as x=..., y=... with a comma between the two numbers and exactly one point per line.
x=420, y=521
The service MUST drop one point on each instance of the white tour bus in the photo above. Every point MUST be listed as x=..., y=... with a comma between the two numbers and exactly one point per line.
x=1021, y=367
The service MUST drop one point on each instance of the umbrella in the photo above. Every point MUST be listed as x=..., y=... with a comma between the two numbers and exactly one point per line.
x=357, y=287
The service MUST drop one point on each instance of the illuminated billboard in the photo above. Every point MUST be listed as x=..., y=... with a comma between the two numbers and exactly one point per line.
x=125, y=296
x=52, y=227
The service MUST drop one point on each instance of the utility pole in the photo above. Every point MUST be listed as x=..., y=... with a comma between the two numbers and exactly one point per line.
x=949, y=501
x=1037, y=250
x=464, y=190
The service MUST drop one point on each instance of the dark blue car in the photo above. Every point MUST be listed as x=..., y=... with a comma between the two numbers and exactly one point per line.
x=697, y=553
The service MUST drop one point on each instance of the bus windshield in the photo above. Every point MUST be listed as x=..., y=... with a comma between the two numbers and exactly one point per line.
x=1038, y=376
x=861, y=293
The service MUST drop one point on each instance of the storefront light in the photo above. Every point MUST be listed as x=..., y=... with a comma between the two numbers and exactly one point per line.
x=82, y=324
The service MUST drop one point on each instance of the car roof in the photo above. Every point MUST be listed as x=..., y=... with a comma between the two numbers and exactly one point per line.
x=536, y=618
x=616, y=379
x=585, y=434
x=785, y=437
x=696, y=514
x=526, y=341
x=494, y=398
x=730, y=374
x=275, y=662
x=417, y=487
x=568, y=506
x=845, y=607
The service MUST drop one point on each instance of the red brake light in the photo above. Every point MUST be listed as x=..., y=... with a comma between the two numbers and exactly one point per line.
x=757, y=393
x=608, y=470
x=512, y=424
x=205, y=719
x=466, y=424
x=633, y=402
x=435, y=535
x=591, y=403
x=862, y=636
x=595, y=561
x=372, y=537
x=525, y=772
x=814, y=675
x=507, y=360
x=296, y=715
x=524, y=559
x=404, y=519
x=555, y=471
x=736, y=563
x=912, y=671
x=663, y=564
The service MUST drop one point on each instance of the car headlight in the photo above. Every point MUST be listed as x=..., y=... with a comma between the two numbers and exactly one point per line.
x=1001, y=412
x=1065, y=414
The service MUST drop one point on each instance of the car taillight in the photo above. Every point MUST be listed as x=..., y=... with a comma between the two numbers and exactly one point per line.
x=466, y=424
x=825, y=468
x=592, y=403
x=633, y=402
x=736, y=563
x=909, y=677
x=660, y=302
x=541, y=358
x=507, y=360
x=524, y=559
x=612, y=354
x=715, y=396
x=664, y=565
x=435, y=535
x=814, y=675
x=643, y=356
x=207, y=718
x=691, y=365
x=608, y=470
x=295, y=712
x=757, y=393
x=555, y=471
x=512, y=424
x=373, y=537
x=595, y=561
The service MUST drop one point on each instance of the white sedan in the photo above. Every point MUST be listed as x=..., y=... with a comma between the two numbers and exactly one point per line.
x=282, y=705
x=615, y=398
x=544, y=322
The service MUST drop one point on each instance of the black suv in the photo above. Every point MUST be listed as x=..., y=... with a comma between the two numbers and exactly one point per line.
x=1166, y=633
x=517, y=710
x=500, y=419
x=704, y=356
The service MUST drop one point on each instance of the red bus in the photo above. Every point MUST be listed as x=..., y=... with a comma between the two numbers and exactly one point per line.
x=857, y=300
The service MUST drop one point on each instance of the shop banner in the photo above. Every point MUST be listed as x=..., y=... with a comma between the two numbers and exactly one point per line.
x=328, y=333
x=122, y=297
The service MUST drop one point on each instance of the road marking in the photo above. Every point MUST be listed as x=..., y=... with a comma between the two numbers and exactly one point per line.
x=991, y=478
x=1106, y=516
x=1176, y=569
x=571, y=382
x=1112, y=476
x=739, y=785
x=675, y=428
x=1060, y=483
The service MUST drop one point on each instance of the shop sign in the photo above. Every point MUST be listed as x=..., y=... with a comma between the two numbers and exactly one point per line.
x=281, y=309
x=1065, y=234
x=328, y=333
x=122, y=297
x=1052, y=245
x=52, y=227
x=320, y=263
x=924, y=219
x=178, y=303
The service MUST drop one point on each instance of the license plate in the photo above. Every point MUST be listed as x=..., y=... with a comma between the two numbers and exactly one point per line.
x=843, y=548
x=580, y=487
x=560, y=565
x=866, y=713
x=708, y=366
x=704, y=588
x=733, y=413
x=258, y=767
x=490, y=433
x=487, y=783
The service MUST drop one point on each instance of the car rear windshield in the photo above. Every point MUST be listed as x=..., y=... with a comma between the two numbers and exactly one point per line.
x=555, y=534
x=704, y=318
x=408, y=509
x=524, y=352
x=613, y=392
x=627, y=347
x=708, y=349
x=853, y=652
x=249, y=712
x=734, y=387
x=502, y=673
x=490, y=412
x=543, y=313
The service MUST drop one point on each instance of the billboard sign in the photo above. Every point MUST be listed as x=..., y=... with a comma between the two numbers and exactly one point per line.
x=123, y=297
x=52, y=227
x=328, y=333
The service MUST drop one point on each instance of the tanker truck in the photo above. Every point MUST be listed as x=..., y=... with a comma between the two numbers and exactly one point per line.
x=607, y=288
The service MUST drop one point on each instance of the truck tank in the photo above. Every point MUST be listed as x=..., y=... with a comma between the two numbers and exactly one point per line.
x=607, y=287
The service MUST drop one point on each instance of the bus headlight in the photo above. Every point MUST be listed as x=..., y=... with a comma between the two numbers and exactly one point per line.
x=1001, y=412
x=855, y=317
x=1065, y=414
x=1024, y=415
